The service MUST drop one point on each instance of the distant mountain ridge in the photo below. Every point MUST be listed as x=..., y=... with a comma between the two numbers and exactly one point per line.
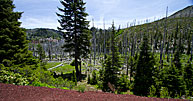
x=186, y=12
x=38, y=33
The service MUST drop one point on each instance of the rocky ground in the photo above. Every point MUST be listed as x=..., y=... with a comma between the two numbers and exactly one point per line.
x=9, y=92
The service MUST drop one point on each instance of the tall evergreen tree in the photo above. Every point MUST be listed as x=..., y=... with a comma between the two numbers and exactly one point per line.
x=41, y=52
x=188, y=76
x=109, y=75
x=172, y=79
x=144, y=69
x=73, y=23
x=176, y=60
x=13, y=43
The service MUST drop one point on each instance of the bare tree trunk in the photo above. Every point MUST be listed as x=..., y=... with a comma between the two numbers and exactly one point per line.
x=165, y=31
x=94, y=47
x=191, y=49
x=104, y=39
x=76, y=44
x=126, y=56
x=80, y=68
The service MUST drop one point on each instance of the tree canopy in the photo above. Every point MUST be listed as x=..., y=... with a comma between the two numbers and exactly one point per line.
x=73, y=23
x=13, y=44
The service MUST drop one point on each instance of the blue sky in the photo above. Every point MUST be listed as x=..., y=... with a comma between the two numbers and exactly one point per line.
x=42, y=13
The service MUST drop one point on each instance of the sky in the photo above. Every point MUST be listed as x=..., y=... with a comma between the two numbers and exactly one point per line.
x=42, y=13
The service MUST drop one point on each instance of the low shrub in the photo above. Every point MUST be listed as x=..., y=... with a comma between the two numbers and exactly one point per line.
x=94, y=80
x=164, y=92
x=12, y=78
x=81, y=88
x=123, y=84
x=39, y=84
x=152, y=91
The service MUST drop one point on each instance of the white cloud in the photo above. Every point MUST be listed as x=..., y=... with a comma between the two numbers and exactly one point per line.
x=30, y=22
x=41, y=13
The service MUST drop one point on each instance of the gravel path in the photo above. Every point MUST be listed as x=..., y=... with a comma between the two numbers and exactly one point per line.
x=9, y=92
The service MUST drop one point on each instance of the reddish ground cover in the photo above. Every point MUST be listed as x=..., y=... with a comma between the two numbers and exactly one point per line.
x=9, y=92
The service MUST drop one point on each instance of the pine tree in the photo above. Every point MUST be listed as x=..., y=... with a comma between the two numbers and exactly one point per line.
x=144, y=70
x=41, y=52
x=131, y=64
x=176, y=60
x=13, y=43
x=110, y=72
x=73, y=22
x=172, y=79
x=188, y=76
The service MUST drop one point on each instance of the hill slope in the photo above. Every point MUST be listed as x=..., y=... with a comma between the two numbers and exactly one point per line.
x=43, y=33
x=186, y=12
x=179, y=23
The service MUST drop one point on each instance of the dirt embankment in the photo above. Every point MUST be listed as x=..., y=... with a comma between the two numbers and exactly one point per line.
x=9, y=92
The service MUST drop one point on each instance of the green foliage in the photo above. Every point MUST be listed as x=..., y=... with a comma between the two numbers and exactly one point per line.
x=43, y=76
x=60, y=83
x=46, y=79
x=123, y=84
x=73, y=23
x=188, y=76
x=119, y=32
x=38, y=33
x=152, y=92
x=57, y=84
x=12, y=78
x=81, y=88
x=172, y=80
x=176, y=60
x=51, y=64
x=111, y=67
x=41, y=52
x=93, y=80
x=164, y=92
x=65, y=69
x=144, y=70
x=13, y=44
x=15, y=59
x=132, y=64
x=39, y=84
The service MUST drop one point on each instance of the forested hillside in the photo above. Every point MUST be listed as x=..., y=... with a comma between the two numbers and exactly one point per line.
x=156, y=55
x=37, y=33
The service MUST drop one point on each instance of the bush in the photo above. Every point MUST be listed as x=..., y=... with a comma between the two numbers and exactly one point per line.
x=123, y=84
x=39, y=84
x=152, y=91
x=56, y=83
x=59, y=82
x=81, y=88
x=43, y=76
x=164, y=92
x=12, y=78
x=94, y=80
